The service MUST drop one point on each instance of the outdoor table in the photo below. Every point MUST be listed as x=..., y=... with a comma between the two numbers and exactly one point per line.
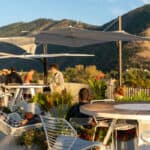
x=125, y=111
x=19, y=90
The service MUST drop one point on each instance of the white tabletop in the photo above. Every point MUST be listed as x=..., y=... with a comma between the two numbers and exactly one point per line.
x=137, y=107
x=110, y=111
x=22, y=86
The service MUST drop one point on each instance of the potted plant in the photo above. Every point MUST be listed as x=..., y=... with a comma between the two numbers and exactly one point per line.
x=55, y=103
x=60, y=103
x=98, y=88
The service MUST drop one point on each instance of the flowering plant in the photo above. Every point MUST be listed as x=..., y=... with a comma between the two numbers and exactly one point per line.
x=98, y=88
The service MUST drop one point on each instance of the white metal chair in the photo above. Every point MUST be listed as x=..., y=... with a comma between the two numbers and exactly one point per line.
x=145, y=137
x=104, y=122
x=80, y=121
x=102, y=100
x=5, y=98
x=61, y=135
x=100, y=121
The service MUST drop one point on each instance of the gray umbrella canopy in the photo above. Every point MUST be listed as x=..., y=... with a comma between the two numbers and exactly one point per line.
x=74, y=37
x=26, y=43
x=71, y=37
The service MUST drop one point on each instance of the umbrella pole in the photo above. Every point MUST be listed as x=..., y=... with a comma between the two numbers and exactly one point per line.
x=45, y=67
x=120, y=52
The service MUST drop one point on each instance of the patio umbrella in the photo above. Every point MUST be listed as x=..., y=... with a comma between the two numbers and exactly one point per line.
x=74, y=37
x=44, y=56
x=26, y=43
x=28, y=56
x=71, y=37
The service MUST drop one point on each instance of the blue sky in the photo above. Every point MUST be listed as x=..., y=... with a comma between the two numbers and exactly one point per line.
x=90, y=11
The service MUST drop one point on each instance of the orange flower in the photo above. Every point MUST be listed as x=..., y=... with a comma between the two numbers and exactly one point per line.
x=100, y=76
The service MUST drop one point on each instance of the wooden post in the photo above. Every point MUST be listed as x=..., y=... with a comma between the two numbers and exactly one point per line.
x=45, y=67
x=120, y=52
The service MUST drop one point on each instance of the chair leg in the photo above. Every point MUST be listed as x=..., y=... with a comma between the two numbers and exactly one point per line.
x=109, y=132
x=94, y=135
x=116, y=143
x=113, y=141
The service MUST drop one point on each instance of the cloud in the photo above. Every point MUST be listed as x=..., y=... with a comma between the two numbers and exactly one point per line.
x=146, y=1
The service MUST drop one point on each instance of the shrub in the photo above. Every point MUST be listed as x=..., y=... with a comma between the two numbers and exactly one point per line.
x=32, y=137
x=27, y=138
x=140, y=97
x=137, y=78
x=81, y=74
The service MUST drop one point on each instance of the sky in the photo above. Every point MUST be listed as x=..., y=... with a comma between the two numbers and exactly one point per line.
x=96, y=12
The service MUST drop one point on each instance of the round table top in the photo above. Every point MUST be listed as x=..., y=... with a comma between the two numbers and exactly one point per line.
x=13, y=86
x=110, y=110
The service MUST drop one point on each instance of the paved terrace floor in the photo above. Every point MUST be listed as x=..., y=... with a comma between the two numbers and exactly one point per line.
x=8, y=142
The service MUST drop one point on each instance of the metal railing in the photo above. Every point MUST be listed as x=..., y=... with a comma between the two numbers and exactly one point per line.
x=137, y=91
x=129, y=91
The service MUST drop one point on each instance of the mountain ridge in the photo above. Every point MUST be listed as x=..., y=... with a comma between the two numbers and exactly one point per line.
x=135, y=54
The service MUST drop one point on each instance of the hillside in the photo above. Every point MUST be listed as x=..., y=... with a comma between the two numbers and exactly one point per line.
x=21, y=28
x=135, y=21
x=135, y=54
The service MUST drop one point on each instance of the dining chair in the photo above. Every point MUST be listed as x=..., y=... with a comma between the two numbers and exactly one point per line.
x=87, y=123
x=4, y=97
x=145, y=137
x=77, y=122
x=105, y=122
x=102, y=100
x=100, y=121
x=61, y=135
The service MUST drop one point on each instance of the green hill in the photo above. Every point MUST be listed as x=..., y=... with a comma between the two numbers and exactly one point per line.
x=135, y=54
x=134, y=22
x=21, y=28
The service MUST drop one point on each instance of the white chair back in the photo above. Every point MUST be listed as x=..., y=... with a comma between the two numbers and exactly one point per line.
x=145, y=136
x=59, y=133
x=102, y=100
